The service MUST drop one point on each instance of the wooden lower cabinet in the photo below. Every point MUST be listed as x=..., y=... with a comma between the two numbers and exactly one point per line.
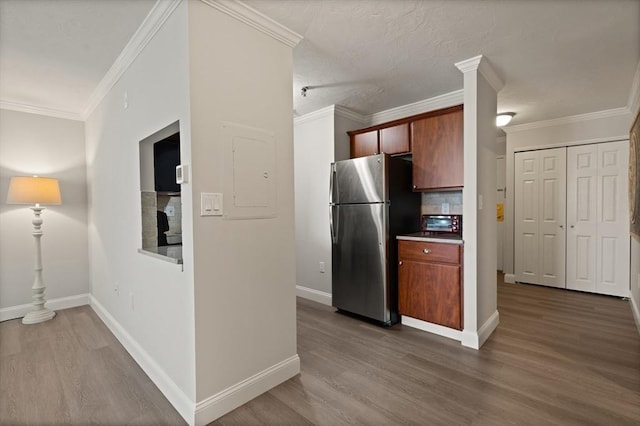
x=430, y=290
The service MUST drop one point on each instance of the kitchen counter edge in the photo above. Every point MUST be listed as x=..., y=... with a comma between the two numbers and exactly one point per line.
x=429, y=239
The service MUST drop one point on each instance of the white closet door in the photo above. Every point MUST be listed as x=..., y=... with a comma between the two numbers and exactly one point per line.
x=553, y=204
x=613, y=248
x=540, y=212
x=526, y=192
x=582, y=183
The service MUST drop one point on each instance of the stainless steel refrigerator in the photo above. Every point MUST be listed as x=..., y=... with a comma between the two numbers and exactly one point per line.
x=371, y=202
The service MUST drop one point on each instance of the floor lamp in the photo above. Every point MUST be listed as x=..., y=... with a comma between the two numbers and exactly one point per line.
x=35, y=190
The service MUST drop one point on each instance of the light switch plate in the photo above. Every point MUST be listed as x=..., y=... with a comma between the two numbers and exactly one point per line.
x=211, y=204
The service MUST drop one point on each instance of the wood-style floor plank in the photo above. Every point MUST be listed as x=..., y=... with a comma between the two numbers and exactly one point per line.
x=72, y=371
x=557, y=357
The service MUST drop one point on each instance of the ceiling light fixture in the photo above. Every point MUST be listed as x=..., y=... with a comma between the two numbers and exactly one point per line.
x=504, y=118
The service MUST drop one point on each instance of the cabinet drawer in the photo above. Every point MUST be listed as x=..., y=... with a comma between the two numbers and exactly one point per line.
x=428, y=252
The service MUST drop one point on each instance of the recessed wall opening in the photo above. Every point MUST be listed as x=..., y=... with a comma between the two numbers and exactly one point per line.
x=160, y=195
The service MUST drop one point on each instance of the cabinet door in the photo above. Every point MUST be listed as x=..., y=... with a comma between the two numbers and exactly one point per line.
x=363, y=144
x=430, y=292
x=395, y=139
x=437, y=147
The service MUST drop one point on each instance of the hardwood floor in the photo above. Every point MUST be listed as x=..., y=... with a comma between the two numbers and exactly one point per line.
x=557, y=357
x=73, y=371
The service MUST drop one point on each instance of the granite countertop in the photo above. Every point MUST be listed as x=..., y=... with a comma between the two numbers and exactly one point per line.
x=422, y=236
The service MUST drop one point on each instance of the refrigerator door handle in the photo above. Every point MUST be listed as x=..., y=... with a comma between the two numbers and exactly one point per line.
x=334, y=229
x=332, y=182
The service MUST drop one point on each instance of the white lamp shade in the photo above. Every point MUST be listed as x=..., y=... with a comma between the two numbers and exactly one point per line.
x=33, y=190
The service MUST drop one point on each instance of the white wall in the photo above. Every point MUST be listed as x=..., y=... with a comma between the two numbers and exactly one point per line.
x=53, y=147
x=245, y=307
x=152, y=311
x=320, y=139
x=603, y=126
x=313, y=153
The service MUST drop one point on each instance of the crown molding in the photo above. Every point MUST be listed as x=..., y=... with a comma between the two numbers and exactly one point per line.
x=344, y=112
x=470, y=64
x=609, y=113
x=481, y=64
x=431, y=104
x=32, y=109
x=257, y=20
x=634, y=95
x=330, y=112
x=147, y=30
x=319, y=114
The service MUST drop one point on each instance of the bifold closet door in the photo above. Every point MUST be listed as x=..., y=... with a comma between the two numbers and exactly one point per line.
x=540, y=212
x=582, y=183
x=597, y=214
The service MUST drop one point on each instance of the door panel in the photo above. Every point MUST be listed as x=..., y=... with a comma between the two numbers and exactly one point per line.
x=553, y=213
x=526, y=217
x=540, y=209
x=359, y=261
x=613, y=250
x=582, y=172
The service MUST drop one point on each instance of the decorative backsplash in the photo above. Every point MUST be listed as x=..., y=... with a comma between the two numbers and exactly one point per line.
x=175, y=221
x=149, y=222
x=432, y=202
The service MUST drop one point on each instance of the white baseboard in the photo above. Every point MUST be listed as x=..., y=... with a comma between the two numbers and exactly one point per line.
x=19, y=311
x=475, y=340
x=432, y=328
x=229, y=399
x=510, y=278
x=635, y=308
x=315, y=295
x=171, y=391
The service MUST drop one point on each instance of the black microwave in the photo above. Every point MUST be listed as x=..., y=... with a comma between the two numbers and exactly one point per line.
x=441, y=224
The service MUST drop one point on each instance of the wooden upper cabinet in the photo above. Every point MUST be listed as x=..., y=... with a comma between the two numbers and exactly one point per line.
x=437, y=147
x=363, y=144
x=395, y=139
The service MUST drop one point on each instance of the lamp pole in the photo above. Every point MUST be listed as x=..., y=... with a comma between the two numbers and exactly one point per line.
x=39, y=312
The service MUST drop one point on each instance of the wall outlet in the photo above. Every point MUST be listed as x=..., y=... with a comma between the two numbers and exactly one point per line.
x=170, y=211
x=322, y=267
x=445, y=208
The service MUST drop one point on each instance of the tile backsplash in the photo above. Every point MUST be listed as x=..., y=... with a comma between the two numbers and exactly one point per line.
x=432, y=202
x=175, y=221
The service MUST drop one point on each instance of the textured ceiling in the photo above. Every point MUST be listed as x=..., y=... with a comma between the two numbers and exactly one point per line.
x=557, y=58
x=53, y=53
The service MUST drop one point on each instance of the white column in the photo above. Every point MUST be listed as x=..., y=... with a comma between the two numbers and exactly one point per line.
x=481, y=84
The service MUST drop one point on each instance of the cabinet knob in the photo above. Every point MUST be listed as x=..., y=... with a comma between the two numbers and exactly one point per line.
x=400, y=263
x=414, y=187
x=426, y=251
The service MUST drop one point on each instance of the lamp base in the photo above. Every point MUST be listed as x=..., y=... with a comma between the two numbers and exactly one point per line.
x=40, y=315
